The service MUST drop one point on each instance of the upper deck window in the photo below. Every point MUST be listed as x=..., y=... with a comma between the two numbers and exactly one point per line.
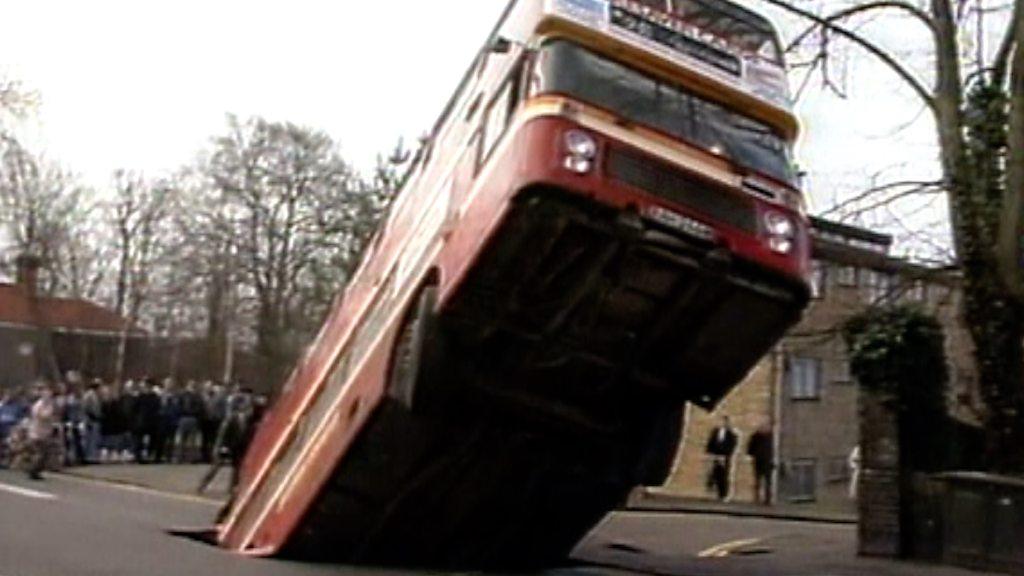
x=566, y=68
x=735, y=25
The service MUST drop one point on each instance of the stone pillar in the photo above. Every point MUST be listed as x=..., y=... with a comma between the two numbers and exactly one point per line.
x=879, y=493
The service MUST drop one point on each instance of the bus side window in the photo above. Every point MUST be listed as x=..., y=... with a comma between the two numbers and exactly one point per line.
x=466, y=170
x=498, y=116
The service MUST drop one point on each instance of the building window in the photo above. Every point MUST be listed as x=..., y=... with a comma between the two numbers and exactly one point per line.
x=842, y=372
x=805, y=378
x=846, y=276
x=803, y=480
x=838, y=469
x=917, y=292
x=877, y=286
x=819, y=275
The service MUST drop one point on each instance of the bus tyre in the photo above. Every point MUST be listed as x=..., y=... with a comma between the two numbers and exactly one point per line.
x=416, y=354
x=658, y=449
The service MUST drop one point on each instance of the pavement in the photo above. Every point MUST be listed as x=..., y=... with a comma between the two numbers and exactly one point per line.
x=659, y=500
x=114, y=521
x=166, y=478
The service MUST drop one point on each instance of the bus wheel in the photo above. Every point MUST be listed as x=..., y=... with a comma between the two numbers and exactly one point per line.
x=416, y=354
x=657, y=449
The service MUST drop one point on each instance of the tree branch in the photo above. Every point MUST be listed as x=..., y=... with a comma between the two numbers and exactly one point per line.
x=914, y=11
x=913, y=185
x=886, y=58
x=1001, y=64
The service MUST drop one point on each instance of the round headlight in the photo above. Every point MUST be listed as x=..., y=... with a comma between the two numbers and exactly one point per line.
x=578, y=164
x=779, y=225
x=580, y=144
x=781, y=245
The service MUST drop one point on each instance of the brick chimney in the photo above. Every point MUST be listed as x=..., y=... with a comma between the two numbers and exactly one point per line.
x=28, y=273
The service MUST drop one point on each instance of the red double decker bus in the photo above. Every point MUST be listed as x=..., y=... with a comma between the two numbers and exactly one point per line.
x=605, y=223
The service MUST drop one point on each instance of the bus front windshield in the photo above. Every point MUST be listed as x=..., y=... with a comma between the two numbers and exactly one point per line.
x=568, y=69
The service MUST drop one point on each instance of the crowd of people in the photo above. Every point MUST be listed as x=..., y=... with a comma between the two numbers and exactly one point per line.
x=53, y=425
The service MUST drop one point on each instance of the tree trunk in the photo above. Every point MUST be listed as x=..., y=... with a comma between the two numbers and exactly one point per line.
x=1011, y=240
x=996, y=323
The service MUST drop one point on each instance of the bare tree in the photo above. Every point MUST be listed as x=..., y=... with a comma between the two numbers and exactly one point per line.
x=977, y=100
x=41, y=208
x=136, y=217
x=286, y=216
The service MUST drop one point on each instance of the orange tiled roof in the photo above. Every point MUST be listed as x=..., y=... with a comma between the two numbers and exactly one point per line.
x=55, y=313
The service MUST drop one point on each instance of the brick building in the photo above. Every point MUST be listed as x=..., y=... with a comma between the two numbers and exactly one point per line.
x=42, y=336
x=45, y=337
x=804, y=389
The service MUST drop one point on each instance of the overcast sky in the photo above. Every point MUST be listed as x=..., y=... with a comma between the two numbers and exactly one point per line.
x=143, y=86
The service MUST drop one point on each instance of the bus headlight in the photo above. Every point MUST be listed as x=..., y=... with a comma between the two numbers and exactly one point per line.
x=781, y=232
x=581, y=150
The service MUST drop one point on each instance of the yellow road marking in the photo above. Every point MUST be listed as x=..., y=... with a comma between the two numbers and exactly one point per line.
x=723, y=550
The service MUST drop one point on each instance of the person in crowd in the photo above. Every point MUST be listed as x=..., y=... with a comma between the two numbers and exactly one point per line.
x=129, y=403
x=187, y=435
x=146, y=421
x=13, y=411
x=92, y=410
x=761, y=449
x=42, y=423
x=721, y=447
x=214, y=413
x=112, y=425
x=79, y=423
x=73, y=426
x=170, y=414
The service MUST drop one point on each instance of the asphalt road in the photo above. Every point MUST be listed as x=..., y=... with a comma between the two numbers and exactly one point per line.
x=72, y=527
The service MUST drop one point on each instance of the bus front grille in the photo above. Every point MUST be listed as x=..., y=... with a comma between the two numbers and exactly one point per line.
x=665, y=181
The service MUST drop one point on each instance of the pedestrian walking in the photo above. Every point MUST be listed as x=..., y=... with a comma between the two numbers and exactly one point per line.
x=42, y=423
x=214, y=412
x=231, y=437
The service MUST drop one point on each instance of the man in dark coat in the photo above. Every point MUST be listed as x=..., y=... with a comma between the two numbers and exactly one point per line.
x=146, y=425
x=721, y=447
x=761, y=449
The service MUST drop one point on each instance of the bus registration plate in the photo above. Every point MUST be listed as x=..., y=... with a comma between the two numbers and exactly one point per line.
x=679, y=223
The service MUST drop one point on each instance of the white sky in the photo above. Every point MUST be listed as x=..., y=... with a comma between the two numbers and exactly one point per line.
x=144, y=86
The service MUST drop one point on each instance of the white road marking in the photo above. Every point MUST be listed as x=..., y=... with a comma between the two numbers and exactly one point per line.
x=27, y=493
x=723, y=550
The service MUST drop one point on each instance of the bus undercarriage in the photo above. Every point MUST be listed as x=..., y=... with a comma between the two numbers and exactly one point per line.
x=544, y=390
